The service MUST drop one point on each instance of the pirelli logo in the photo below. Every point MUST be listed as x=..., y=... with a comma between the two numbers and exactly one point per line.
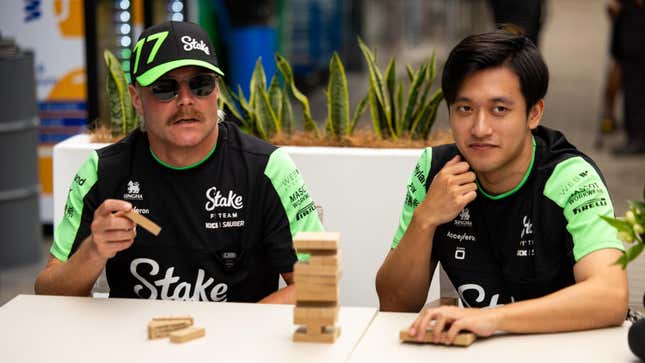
x=598, y=202
x=303, y=212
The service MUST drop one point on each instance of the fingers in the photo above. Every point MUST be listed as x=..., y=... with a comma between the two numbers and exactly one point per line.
x=451, y=334
x=110, y=206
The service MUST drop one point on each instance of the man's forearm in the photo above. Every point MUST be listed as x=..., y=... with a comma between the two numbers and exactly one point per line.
x=285, y=295
x=75, y=277
x=585, y=305
x=403, y=280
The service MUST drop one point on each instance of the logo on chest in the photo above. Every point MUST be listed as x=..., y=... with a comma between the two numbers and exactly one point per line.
x=463, y=220
x=527, y=244
x=133, y=191
x=215, y=198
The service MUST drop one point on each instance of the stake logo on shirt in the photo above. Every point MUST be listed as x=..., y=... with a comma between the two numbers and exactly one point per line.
x=170, y=288
x=216, y=199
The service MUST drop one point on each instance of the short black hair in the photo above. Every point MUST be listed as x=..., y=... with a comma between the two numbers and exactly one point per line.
x=495, y=49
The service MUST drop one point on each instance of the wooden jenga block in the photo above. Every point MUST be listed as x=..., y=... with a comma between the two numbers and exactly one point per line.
x=144, y=222
x=315, y=292
x=328, y=335
x=315, y=279
x=316, y=241
x=315, y=315
x=326, y=259
x=161, y=329
x=461, y=340
x=303, y=268
x=184, y=335
x=174, y=318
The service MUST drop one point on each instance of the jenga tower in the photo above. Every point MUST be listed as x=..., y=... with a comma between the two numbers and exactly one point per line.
x=317, y=287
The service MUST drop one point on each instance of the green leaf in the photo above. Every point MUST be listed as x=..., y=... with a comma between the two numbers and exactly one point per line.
x=425, y=118
x=376, y=83
x=122, y=118
x=248, y=121
x=227, y=100
x=267, y=121
x=619, y=224
x=398, y=104
x=374, y=110
x=390, y=82
x=258, y=80
x=410, y=72
x=337, y=98
x=275, y=98
x=360, y=109
x=630, y=255
x=285, y=70
x=288, y=123
x=413, y=94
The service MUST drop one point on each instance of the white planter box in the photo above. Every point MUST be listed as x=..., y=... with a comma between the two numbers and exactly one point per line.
x=361, y=192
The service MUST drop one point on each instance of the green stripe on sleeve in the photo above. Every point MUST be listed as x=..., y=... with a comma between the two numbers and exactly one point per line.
x=296, y=201
x=577, y=188
x=65, y=232
x=415, y=193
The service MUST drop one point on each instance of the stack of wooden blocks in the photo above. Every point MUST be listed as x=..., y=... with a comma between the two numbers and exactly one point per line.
x=317, y=287
x=180, y=329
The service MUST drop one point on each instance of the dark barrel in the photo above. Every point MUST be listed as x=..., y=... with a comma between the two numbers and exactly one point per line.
x=19, y=187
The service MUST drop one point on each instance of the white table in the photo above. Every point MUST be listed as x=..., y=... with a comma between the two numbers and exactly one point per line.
x=73, y=329
x=381, y=344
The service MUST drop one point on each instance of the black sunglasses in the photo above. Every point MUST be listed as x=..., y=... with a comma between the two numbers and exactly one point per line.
x=201, y=85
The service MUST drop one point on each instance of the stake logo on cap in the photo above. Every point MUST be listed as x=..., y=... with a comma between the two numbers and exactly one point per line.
x=170, y=45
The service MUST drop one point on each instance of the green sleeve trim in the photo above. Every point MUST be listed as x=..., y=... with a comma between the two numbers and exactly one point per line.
x=517, y=187
x=415, y=193
x=65, y=232
x=296, y=201
x=577, y=188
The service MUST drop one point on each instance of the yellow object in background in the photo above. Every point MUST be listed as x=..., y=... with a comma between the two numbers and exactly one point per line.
x=70, y=87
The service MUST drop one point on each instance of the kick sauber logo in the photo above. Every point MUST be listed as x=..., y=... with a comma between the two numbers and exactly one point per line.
x=133, y=191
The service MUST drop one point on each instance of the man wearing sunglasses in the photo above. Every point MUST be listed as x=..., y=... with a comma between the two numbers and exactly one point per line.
x=229, y=204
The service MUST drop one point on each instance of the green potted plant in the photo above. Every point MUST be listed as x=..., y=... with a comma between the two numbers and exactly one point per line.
x=631, y=230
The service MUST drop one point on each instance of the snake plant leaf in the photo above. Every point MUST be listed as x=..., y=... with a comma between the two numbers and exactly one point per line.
x=413, y=94
x=337, y=98
x=410, y=72
x=377, y=83
x=390, y=82
x=248, y=120
x=258, y=80
x=286, y=115
x=287, y=74
x=374, y=111
x=358, y=112
x=275, y=96
x=121, y=115
x=228, y=100
x=267, y=121
x=425, y=118
x=399, y=107
x=432, y=70
x=432, y=115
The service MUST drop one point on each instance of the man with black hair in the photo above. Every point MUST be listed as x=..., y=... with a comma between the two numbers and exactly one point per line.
x=511, y=210
x=228, y=203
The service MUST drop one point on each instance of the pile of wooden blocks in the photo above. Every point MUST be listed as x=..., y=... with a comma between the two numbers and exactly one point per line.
x=179, y=328
x=317, y=286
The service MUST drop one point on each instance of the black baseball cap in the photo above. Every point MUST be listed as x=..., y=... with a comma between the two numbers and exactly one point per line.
x=170, y=45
